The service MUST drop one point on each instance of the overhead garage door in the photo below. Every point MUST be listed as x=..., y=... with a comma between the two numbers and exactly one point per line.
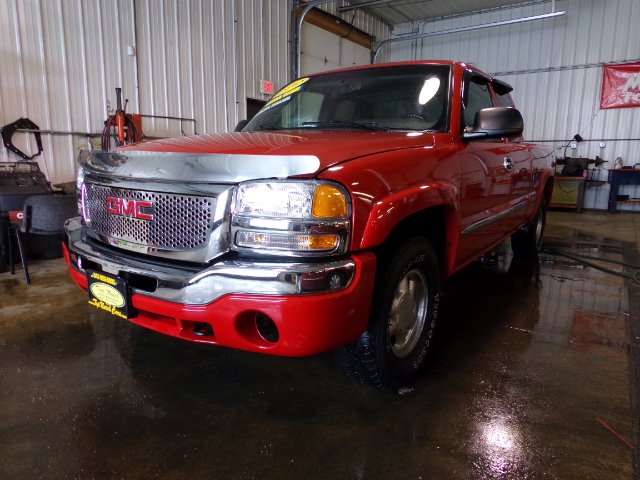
x=322, y=50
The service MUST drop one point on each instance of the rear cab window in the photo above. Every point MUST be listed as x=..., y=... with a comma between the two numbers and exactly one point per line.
x=503, y=92
x=504, y=100
x=476, y=97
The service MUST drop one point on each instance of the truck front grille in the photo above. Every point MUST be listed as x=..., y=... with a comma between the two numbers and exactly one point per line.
x=172, y=222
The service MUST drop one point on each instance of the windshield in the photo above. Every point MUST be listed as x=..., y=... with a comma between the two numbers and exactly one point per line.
x=412, y=97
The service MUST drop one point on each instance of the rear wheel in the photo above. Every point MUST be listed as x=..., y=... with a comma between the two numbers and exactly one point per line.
x=527, y=241
x=392, y=351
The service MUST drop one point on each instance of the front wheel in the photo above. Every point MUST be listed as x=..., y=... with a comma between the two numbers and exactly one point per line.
x=392, y=351
x=527, y=241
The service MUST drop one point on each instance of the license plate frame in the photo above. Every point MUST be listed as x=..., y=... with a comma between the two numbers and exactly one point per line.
x=109, y=293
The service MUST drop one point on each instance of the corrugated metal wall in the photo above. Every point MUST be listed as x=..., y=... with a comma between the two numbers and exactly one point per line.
x=363, y=21
x=555, y=68
x=322, y=50
x=199, y=59
x=62, y=59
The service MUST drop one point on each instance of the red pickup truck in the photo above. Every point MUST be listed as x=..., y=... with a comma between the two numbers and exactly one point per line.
x=330, y=220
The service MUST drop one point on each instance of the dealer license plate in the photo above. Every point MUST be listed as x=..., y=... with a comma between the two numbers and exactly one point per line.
x=108, y=293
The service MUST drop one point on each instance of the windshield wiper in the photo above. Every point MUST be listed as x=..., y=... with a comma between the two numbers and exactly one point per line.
x=339, y=124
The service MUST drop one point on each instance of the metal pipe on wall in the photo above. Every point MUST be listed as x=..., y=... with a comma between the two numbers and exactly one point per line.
x=89, y=134
x=371, y=3
x=379, y=45
x=180, y=119
x=562, y=68
x=560, y=140
x=59, y=132
x=297, y=28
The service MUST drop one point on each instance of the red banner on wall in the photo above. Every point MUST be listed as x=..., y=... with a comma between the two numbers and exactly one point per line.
x=621, y=86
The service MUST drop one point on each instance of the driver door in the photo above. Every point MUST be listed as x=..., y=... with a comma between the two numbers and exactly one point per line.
x=486, y=168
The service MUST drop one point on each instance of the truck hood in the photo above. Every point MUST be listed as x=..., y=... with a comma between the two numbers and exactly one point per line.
x=235, y=157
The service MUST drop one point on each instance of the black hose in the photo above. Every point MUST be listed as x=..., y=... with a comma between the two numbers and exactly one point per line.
x=585, y=260
x=132, y=135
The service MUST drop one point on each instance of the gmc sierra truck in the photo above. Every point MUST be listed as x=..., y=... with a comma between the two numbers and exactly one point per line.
x=328, y=221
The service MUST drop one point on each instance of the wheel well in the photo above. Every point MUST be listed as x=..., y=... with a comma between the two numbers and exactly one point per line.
x=431, y=223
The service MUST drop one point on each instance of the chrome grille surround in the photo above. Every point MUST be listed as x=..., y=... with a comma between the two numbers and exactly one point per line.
x=180, y=222
x=191, y=175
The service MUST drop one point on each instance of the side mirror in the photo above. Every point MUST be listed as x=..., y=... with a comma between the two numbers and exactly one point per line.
x=241, y=124
x=496, y=122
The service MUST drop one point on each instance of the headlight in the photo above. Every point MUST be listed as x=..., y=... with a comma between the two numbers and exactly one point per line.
x=80, y=178
x=305, y=218
x=81, y=191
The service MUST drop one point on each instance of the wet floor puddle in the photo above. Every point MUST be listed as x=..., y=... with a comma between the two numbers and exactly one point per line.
x=528, y=379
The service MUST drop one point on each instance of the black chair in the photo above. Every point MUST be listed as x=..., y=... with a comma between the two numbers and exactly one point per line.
x=42, y=215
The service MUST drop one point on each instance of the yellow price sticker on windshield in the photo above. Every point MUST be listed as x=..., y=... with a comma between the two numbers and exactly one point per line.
x=286, y=92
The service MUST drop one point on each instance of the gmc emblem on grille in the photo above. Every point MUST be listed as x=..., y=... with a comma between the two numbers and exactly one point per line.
x=129, y=208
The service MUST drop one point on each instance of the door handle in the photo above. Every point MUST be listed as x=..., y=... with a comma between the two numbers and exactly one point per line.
x=508, y=163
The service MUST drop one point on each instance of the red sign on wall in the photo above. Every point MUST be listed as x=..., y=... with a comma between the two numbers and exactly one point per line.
x=266, y=87
x=621, y=86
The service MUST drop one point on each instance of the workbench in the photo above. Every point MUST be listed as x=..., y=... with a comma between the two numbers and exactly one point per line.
x=568, y=192
x=623, y=176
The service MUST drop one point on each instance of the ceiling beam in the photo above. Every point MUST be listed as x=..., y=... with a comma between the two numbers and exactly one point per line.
x=337, y=26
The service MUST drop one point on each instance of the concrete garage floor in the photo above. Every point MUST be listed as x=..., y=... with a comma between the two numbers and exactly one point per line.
x=530, y=378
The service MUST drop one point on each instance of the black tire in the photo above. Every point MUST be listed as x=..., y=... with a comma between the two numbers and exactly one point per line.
x=390, y=354
x=527, y=241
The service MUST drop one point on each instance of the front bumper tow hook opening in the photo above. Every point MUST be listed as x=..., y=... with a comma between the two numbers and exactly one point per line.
x=203, y=330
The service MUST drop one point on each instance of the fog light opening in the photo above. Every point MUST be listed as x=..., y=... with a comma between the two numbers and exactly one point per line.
x=202, y=329
x=267, y=328
x=335, y=280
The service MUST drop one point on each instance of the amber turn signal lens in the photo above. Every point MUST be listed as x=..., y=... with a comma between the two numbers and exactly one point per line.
x=329, y=202
x=323, y=242
x=288, y=241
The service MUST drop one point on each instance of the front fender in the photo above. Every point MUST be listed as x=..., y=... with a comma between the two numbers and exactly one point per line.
x=545, y=189
x=391, y=187
x=387, y=213
x=544, y=162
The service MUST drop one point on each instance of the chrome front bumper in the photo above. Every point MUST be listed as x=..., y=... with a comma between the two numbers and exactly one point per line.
x=186, y=286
